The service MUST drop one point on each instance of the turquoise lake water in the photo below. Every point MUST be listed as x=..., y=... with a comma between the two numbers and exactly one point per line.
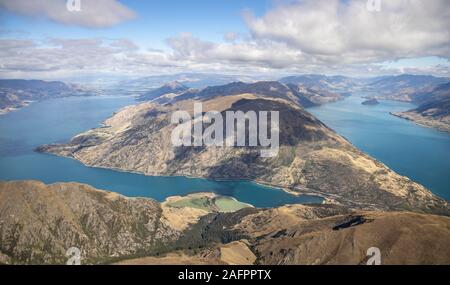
x=420, y=153
x=58, y=120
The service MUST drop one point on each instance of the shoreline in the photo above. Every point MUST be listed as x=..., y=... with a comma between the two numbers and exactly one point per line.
x=422, y=121
x=19, y=106
x=256, y=182
x=327, y=197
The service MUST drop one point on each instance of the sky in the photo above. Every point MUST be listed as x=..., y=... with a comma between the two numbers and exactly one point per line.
x=54, y=39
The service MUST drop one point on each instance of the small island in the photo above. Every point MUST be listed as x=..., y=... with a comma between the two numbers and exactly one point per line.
x=371, y=102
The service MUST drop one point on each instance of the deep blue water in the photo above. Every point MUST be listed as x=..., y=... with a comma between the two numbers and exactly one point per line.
x=420, y=153
x=58, y=120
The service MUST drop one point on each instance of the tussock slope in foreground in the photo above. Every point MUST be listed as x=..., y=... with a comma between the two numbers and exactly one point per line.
x=39, y=222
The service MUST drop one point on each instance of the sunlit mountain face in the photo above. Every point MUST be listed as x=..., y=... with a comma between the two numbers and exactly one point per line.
x=251, y=132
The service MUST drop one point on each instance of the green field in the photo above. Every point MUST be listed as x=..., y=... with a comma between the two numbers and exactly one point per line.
x=217, y=204
x=203, y=203
x=227, y=204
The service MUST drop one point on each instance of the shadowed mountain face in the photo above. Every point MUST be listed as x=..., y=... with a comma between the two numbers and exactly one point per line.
x=296, y=125
x=435, y=104
x=433, y=110
x=311, y=158
x=39, y=222
x=16, y=93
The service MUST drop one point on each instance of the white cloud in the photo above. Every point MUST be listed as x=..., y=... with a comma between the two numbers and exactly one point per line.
x=345, y=31
x=63, y=58
x=93, y=14
x=66, y=58
x=266, y=54
x=331, y=37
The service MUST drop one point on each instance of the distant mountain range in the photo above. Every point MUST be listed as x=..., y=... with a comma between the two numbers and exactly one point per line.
x=312, y=83
x=322, y=83
x=263, y=88
x=191, y=80
x=317, y=89
x=307, y=90
x=17, y=93
x=404, y=87
x=311, y=90
x=306, y=97
x=173, y=88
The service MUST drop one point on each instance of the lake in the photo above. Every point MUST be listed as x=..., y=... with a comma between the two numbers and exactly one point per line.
x=420, y=153
x=57, y=120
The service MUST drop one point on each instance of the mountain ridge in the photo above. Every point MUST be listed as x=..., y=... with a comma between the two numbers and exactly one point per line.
x=39, y=222
x=311, y=158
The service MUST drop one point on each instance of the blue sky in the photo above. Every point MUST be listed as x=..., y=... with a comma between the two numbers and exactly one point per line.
x=40, y=38
x=155, y=21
